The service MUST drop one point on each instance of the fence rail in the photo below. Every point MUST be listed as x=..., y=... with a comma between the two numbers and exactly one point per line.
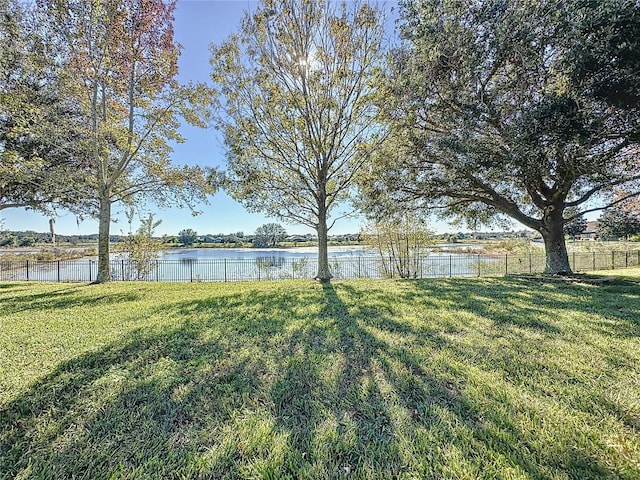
x=276, y=268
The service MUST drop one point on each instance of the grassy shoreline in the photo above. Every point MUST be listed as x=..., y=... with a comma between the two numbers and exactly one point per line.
x=447, y=378
x=47, y=252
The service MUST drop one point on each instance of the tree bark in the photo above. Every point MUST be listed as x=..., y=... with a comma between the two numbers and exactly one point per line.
x=324, y=274
x=52, y=231
x=557, y=259
x=104, y=270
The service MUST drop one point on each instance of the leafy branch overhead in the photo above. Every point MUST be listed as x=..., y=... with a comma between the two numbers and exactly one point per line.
x=120, y=63
x=296, y=88
x=42, y=166
x=500, y=110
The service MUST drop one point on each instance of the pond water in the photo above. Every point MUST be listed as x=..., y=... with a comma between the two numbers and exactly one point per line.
x=226, y=264
x=234, y=264
x=258, y=253
x=291, y=253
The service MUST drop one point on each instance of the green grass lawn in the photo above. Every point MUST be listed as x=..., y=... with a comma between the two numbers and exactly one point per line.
x=449, y=378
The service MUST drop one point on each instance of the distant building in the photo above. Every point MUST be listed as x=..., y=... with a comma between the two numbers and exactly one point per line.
x=295, y=238
x=501, y=235
x=486, y=235
x=591, y=232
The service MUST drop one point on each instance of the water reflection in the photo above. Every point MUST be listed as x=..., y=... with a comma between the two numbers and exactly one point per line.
x=258, y=254
x=271, y=261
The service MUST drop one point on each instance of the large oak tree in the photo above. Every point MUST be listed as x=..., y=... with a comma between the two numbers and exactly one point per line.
x=295, y=85
x=522, y=109
x=40, y=163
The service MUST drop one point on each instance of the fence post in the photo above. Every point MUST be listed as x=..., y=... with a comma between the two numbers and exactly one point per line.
x=122, y=268
x=157, y=271
x=450, y=266
x=225, y=269
x=58, y=271
x=359, y=267
x=27, y=270
x=191, y=272
x=613, y=260
x=479, y=265
x=90, y=270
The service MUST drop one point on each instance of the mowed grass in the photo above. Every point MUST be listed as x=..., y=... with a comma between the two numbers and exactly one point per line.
x=449, y=378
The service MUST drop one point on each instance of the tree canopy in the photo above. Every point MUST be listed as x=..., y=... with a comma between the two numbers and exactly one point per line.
x=187, y=237
x=616, y=223
x=269, y=235
x=517, y=109
x=296, y=84
x=120, y=60
x=41, y=165
x=575, y=227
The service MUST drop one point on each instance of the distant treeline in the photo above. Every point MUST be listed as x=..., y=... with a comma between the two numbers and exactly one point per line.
x=28, y=238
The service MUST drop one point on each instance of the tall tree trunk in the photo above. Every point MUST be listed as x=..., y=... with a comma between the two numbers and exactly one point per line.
x=552, y=231
x=104, y=271
x=324, y=274
x=52, y=230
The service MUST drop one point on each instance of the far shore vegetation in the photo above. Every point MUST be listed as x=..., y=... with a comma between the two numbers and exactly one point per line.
x=22, y=245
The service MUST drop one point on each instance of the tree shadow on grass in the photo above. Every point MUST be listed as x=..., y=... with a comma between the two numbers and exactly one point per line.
x=519, y=307
x=12, y=286
x=122, y=411
x=416, y=395
x=68, y=297
x=385, y=400
x=152, y=403
x=527, y=320
x=325, y=382
x=426, y=392
x=525, y=303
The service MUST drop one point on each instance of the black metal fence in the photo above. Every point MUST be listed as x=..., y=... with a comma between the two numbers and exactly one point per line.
x=277, y=268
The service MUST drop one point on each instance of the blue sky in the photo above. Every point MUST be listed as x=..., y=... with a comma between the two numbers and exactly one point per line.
x=197, y=25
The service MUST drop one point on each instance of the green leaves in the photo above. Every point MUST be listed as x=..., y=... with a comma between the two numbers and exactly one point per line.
x=269, y=235
x=39, y=134
x=605, y=61
x=501, y=107
x=618, y=223
x=294, y=85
